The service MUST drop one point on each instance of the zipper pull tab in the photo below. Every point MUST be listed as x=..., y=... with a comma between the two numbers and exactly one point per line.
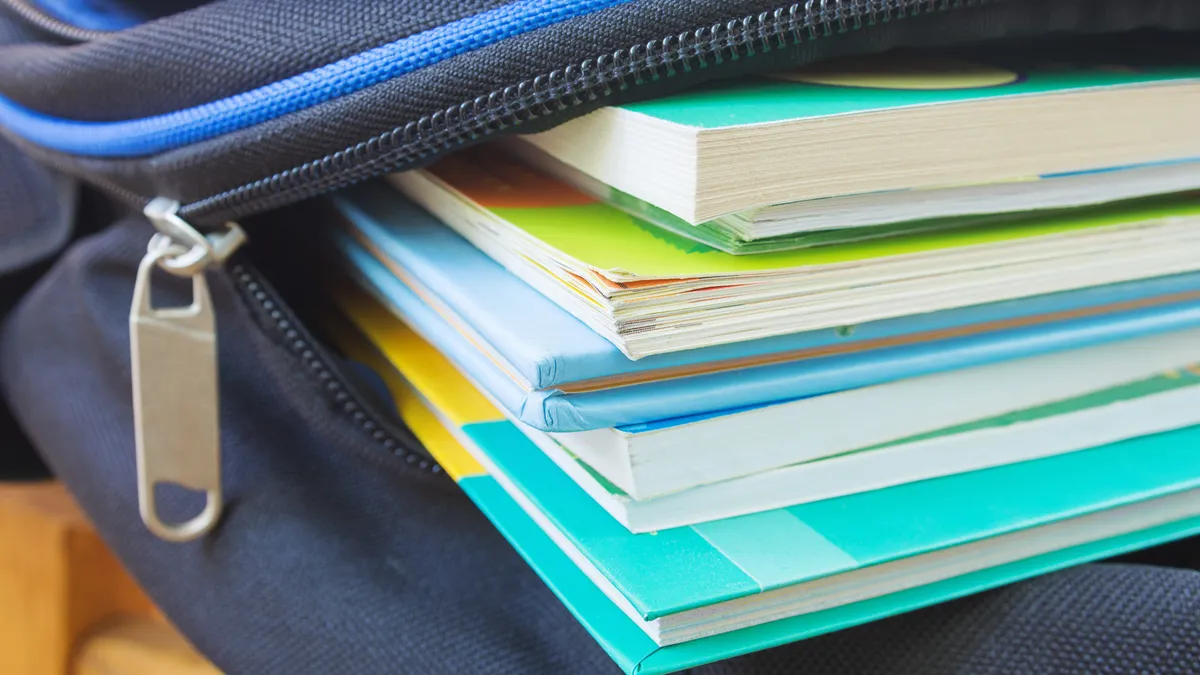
x=174, y=359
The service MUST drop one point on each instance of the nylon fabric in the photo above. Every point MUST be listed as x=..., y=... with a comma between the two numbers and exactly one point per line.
x=36, y=214
x=293, y=140
x=36, y=211
x=151, y=135
x=110, y=15
x=209, y=53
x=1095, y=619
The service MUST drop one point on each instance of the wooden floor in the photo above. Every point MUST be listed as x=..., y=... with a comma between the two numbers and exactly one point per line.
x=67, y=607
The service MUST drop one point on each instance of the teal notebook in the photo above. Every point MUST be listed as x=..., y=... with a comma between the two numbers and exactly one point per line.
x=615, y=582
x=636, y=653
x=673, y=571
x=919, y=79
x=932, y=119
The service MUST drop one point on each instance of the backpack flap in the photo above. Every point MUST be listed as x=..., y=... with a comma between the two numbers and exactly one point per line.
x=241, y=106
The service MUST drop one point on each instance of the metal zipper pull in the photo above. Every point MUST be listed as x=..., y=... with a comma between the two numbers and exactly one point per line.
x=174, y=360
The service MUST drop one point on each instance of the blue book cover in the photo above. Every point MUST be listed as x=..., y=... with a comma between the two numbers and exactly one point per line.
x=538, y=508
x=553, y=373
x=545, y=347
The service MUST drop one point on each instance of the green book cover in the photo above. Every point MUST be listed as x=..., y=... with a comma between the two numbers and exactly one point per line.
x=716, y=234
x=871, y=84
x=903, y=120
x=550, y=214
x=719, y=235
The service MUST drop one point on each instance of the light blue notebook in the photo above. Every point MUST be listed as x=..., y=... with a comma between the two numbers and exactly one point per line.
x=553, y=373
x=546, y=347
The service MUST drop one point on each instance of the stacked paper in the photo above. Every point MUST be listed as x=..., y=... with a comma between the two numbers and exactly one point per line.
x=714, y=431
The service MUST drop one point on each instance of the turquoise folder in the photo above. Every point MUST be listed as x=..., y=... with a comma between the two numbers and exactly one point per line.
x=696, y=566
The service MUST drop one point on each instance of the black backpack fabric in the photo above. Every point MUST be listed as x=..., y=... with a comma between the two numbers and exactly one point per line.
x=343, y=547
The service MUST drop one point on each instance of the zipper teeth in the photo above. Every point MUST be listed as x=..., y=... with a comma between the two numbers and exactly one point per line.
x=558, y=90
x=545, y=94
x=337, y=393
x=40, y=19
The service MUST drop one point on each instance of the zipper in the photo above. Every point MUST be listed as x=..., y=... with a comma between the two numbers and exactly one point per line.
x=588, y=82
x=335, y=386
x=177, y=434
x=35, y=16
x=176, y=393
x=176, y=407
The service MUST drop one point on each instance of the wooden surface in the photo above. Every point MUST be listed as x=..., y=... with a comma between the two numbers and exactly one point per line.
x=138, y=646
x=66, y=604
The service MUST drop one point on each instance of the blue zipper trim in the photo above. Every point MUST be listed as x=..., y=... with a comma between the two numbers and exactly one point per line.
x=160, y=133
x=91, y=14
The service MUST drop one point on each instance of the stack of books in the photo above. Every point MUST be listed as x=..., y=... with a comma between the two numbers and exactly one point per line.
x=784, y=355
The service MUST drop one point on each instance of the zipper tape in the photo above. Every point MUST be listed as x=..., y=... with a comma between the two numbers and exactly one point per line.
x=587, y=82
x=550, y=93
x=151, y=135
x=291, y=335
x=177, y=427
x=40, y=18
x=176, y=389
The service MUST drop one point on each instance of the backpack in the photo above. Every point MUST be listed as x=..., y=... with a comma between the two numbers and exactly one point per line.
x=331, y=540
